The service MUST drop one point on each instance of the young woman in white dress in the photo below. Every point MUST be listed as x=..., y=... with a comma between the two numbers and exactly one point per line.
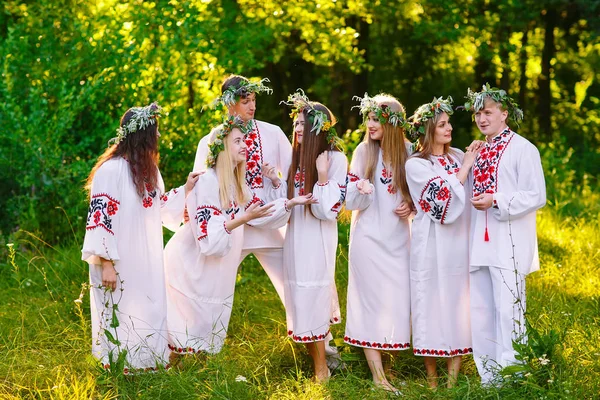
x=202, y=258
x=124, y=246
x=439, y=259
x=309, y=252
x=378, y=309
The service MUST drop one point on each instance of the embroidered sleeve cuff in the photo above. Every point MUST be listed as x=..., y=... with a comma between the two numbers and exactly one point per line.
x=278, y=186
x=285, y=205
x=226, y=230
x=495, y=203
x=322, y=184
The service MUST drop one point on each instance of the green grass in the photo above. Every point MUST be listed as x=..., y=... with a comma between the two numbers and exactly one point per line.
x=45, y=334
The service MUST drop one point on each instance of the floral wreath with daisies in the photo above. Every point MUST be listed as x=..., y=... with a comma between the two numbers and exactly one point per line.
x=319, y=120
x=218, y=144
x=233, y=94
x=476, y=101
x=141, y=118
x=383, y=112
x=426, y=112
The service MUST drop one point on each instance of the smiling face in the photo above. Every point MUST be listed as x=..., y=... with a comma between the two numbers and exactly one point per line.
x=299, y=127
x=374, y=127
x=491, y=120
x=245, y=107
x=236, y=146
x=443, y=130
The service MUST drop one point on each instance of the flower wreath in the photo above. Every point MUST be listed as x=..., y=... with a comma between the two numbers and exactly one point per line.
x=218, y=145
x=383, y=112
x=427, y=111
x=233, y=94
x=142, y=117
x=476, y=101
x=319, y=120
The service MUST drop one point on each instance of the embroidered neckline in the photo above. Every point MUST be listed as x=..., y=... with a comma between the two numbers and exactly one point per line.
x=485, y=168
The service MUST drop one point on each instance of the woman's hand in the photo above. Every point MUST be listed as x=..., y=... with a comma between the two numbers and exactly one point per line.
x=322, y=164
x=109, y=275
x=472, y=152
x=403, y=210
x=191, y=181
x=257, y=210
x=305, y=200
x=270, y=172
x=364, y=186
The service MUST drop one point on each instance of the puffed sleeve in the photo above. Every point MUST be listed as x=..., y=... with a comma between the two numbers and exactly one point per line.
x=207, y=219
x=440, y=197
x=201, y=154
x=280, y=214
x=531, y=188
x=271, y=192
x=172, y=204
x=331, y=194
x=104, y=212
x=354, y=199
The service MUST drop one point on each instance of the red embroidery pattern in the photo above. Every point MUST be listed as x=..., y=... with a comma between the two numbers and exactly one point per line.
x=299, y=182
x=449, y=165
x=183, y=350
x=102, y=208
x=386, y=179
x=255, y=199
x=165, y=197
x=352, y=177
x=312, y=338
x=147, y=200
x=442, y=353
x=376, y=345
x=254, y=158
x=435, y=198
x=485, y=169
x=232, y=210
x=203, y=215
x=338, y=206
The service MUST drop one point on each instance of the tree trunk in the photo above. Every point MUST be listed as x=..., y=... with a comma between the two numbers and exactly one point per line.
x=523, y=69
x=548, y=53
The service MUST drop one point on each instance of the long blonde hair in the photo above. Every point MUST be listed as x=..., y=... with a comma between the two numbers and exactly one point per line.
x=426, y=142
x=232, y=181
x=393, y=146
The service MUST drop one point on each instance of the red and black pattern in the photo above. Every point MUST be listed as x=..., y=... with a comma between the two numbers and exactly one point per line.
x=485, y=168
x=299, y=182
x=376, y=345
x=352, y=178
x=338, y=206
x=232, y=210
x=435, y=198
x=442, y=353
x=148, y=199
x=254, y=158
x=203, y=215
x=304, y=339
x=386, y=179
x=165, y=197
x=184, y=350
x=449, y=165
x=102, y=208
x=254, y=199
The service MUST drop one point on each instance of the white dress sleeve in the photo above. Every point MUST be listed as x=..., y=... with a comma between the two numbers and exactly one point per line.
x=201, y=154
x=280, y=214
x=531, y=188
x=104, y=212
x=172, y=204
x=354, y=199
x=207, y=219
x=284, y=161
x=441, y=197
x=331, y=194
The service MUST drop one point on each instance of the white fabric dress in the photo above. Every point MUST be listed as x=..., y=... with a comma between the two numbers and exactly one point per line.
x=509, y=168
x=309, y=254
x=127, y=229
x=439, y=259
x=378, y=308
x=201, y=263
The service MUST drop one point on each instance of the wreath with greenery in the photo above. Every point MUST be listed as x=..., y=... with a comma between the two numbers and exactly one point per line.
x=233, y=94
x=383, y=112
x=476, y=101
x=142, y=117
x=218, y=144
x=426, y=112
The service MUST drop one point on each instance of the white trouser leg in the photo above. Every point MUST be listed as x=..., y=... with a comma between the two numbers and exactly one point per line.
x=483, y=323
x=271, y=260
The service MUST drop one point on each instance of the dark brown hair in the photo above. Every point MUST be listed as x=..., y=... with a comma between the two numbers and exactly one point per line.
x=140, y=149
x=235, y=82
x=304, y=156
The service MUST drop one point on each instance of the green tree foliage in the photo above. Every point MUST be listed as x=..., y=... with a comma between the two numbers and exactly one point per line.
x=72, y=67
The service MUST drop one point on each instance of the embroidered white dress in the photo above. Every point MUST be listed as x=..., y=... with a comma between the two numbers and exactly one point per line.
x=378, y=308
x=309, y=254
x=125, y=228
x=509, y=168
x=439, y=257
x=201, y=262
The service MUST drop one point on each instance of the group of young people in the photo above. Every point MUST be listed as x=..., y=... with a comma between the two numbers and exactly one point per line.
x=440, y=242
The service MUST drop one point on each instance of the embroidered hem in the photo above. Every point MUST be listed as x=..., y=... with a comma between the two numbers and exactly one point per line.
x=442, y=353
x=376, y=345
x=304, y=339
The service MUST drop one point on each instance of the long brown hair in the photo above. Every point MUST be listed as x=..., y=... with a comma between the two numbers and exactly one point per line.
x=140, y=149
x=393, y=146
x=426, y=142
x=304, y=156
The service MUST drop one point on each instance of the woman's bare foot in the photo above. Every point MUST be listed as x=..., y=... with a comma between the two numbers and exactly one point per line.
x=322, y=375
x=385, y=385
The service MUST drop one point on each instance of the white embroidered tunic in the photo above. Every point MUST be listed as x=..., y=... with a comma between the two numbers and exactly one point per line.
x=266, y=143
x=127, y=229
x=378, y=308
x=309, y=255
x=439, y=257
x=510, y=168
x=201, y=262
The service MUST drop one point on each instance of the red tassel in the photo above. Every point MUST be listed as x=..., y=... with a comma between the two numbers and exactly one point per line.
x=486, y=237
